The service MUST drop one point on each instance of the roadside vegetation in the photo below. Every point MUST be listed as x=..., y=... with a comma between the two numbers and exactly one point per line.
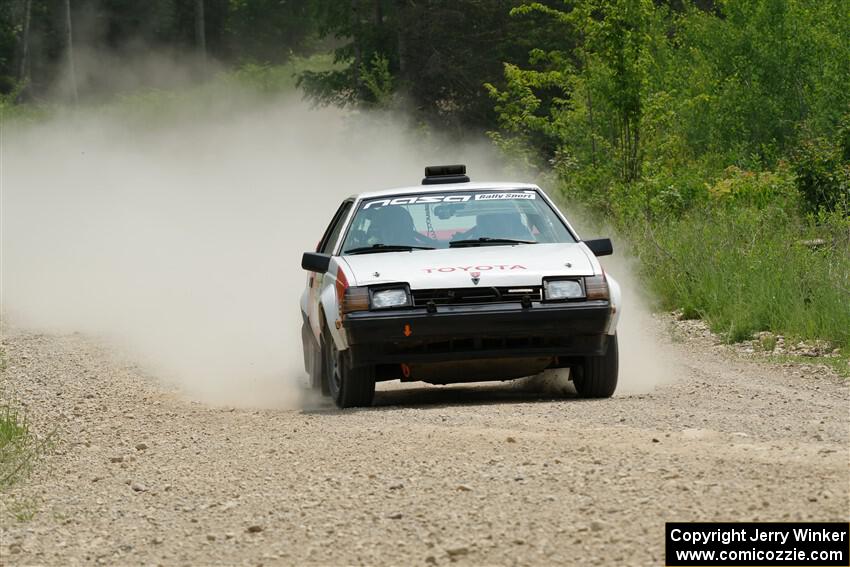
x=713, y=135
x=716, y=141
x=18, y=447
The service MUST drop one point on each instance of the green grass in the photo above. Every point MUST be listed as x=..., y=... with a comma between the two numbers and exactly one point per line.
x=745, y=270
x=736, y=248
x=23, y=510
x=17, y=445
x=19, y=448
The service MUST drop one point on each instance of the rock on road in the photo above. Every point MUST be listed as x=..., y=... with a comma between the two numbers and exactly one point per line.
x=472, y=475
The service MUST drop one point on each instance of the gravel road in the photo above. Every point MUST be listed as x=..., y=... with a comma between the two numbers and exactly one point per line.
x=485, y=475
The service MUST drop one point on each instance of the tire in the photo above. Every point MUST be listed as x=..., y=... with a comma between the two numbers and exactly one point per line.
x=319, y=382
x=348, y=386
x=597, y=377
x=312, y=358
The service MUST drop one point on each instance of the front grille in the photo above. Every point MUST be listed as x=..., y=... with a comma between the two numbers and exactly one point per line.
x=475, y=295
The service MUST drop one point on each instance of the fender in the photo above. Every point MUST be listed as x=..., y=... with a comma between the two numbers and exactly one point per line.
x=613, y=289
x=330, y=304
x=616, y=304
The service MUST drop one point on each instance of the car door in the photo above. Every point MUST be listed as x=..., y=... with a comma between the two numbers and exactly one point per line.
x=326, y=246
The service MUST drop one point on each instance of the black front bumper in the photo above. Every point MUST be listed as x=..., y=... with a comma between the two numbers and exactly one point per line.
x=471, y=332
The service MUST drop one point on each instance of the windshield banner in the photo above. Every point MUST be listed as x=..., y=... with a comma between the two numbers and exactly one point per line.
x=453, y=198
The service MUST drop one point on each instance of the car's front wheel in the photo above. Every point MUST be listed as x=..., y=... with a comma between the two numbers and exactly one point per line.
x=349, y=386
x=597, y=376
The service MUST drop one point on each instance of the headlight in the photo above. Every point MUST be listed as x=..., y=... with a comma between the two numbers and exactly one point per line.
x=563, y=289
x=386, y=298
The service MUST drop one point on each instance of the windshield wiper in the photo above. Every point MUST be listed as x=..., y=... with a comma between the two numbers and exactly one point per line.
x=487, y=241
x=385, y=248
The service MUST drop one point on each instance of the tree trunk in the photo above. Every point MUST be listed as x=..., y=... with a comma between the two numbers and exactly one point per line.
x=23, y=62
x=69, y=46
x=401, y=36
x=201, y=35
x=636, y=150
x=358, y=57
x=591, y=127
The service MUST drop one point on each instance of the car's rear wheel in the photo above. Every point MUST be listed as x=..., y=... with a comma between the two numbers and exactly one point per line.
x=349, y=386
x=597, y=376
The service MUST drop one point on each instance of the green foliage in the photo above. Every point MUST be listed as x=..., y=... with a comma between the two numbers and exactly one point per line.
x=586, y=103
x=760, y=190
x=439, y=53
x=9, y=32
x=378, y=80
x=753, y=75
x=712, y=139
x=655, y=89
x=823, y=170
x=10, y=110
x=746, y=269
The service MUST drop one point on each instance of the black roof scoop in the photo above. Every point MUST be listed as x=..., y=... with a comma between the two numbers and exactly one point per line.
x=436, y=174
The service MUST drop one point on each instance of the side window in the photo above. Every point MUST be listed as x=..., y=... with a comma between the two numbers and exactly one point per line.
x=333, y=230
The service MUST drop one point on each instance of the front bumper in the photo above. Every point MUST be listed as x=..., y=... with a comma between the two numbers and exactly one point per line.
x=469, y=332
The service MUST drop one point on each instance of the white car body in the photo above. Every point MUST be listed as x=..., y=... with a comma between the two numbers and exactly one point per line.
x=500, y=266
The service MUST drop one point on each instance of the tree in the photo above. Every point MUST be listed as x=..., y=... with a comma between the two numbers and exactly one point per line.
x=201, y=34
x=15, y=17
x=439, y=53
x=69, y=51
x=23, y=58
x=266, y=31
x=590, y=89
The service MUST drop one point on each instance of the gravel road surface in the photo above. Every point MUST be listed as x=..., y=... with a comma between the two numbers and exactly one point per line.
x=483, y=475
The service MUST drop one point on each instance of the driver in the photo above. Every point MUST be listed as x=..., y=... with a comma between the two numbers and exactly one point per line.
x=393, y=225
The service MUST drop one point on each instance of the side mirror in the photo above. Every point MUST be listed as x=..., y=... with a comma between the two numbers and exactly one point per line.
x=315, y=262
x=600, y=246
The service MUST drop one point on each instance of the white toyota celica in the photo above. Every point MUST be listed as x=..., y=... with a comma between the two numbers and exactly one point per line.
x=453, y=281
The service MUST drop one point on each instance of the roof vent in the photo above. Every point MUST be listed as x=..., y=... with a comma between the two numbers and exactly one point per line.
x=435, y=174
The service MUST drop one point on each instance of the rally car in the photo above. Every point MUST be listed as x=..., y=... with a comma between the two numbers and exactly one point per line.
x=454, y=281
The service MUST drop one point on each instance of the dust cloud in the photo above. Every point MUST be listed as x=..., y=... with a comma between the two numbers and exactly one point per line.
x=181, y=243
x=178, y=241
x=645, y=359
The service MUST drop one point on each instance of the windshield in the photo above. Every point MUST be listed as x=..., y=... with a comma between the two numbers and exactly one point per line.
x=435, y=220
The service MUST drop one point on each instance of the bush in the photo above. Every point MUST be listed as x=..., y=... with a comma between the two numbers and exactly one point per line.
x=823, y=171
x=762, y=189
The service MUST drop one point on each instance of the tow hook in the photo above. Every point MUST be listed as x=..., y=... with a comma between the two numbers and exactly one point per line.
x=526, y=302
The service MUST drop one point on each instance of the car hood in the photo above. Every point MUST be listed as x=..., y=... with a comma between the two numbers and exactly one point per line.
x=456, y=267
